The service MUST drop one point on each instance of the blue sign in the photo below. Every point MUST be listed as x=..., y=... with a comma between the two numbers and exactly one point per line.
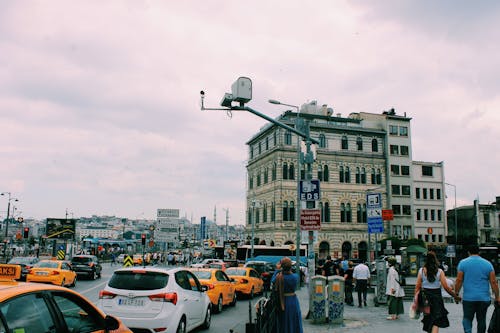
x=203, y=227
x=374, y=213
x=309, y=190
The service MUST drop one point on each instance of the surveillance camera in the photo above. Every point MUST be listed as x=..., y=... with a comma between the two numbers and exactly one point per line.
x=227, y=100
x=202, y=93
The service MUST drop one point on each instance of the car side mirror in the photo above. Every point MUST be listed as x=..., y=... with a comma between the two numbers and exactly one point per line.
x=111, y=323
x=204, y=288
x=232, y=280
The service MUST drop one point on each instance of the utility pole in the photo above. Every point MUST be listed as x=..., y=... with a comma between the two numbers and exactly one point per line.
x=226, y=237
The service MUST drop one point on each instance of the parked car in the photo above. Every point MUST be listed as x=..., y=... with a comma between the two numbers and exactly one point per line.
x=249, y=280
x=88, y=265
x=153, y=299
x=221, y=288
x=26, y=264
x=121, y=258
x=265, y=269
x=57, y=272
x=39, y=307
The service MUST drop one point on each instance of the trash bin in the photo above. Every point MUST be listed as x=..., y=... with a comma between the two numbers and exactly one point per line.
x=336, y=285
x=317, y=306
x=380, y=286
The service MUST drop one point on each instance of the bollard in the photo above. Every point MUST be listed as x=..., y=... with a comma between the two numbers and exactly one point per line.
x=317, y=306
x=336, y=285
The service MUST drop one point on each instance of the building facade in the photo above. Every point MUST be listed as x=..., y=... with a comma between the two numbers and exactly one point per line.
x=356, y=155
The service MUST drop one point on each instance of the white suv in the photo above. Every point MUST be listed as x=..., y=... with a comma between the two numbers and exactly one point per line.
x=156, y=299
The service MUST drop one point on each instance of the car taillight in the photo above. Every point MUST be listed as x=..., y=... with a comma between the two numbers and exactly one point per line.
x=167, y=297
x=244, y=281
x=265, y=274
x=103, y=294
x=55, y=273
x=210, y=286
x=91, y=264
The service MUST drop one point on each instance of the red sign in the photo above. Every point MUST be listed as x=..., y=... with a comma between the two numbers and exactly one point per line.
x=387, y=215
x=310, y=219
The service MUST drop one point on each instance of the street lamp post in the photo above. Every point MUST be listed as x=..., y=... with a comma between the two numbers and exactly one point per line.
x=299, y=174
x=456, y=217
x=9, y=199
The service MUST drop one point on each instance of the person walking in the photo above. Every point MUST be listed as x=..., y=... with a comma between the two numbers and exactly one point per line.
x=329, y=268
x=361, y=277
x=394, y=291
x=476, y=275
x=430, y=279
x=289, y=314
x=348, y=284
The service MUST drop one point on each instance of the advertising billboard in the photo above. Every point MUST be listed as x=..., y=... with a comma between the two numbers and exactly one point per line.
x=60, y=228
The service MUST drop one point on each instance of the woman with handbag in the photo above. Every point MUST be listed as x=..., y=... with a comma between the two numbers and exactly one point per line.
x=430, y=278
x=394, y=291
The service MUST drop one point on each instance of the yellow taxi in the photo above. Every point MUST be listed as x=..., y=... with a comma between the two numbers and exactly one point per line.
x=221, y=288
x=52, y=271
x=31, y=307
x=249, y=280
x=137, y=259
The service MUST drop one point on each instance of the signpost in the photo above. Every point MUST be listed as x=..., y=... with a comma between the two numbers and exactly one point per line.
x=374, y=213
x=309, y=190
x=310, y=219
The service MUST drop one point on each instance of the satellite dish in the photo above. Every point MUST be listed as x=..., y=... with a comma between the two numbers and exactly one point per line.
x=329, y=111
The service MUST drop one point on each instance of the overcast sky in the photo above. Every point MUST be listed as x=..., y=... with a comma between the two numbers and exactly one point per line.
x=100, y=106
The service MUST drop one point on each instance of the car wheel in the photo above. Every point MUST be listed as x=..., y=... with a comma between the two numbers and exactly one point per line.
x=182, y=326
x=94, y=275
x=233, y=302
x=219, y=304
x=208, y=319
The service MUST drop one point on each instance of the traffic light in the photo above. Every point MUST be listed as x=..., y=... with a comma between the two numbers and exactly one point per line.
x=143, y=239
x=26, y=232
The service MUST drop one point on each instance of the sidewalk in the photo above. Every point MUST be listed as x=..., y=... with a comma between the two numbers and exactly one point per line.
x=372, y=319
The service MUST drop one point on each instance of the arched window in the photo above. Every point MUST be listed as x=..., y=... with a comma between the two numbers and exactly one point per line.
x=374, y=145
x=264, y=213
x=347, y=175
x=358, y=175
x=322, y=141
x=285, y=210
x=379, y=177
x=288, y=138
x=267, y=143
x=320, y=172
x=345, y=144
x=374, y=179
x=321, y=210
x=266, y=176
x=326, y=176
x=363, y=176
x=250, y=182
x=273, y=211
x=257, y=215
x=359, y=143
x=348, y=212
x=291, y=211
x=273, y=172
x=291, y=172
x=361, y=213
x=327, y=212
x=258, y=179
x=341, y=174
x=364, y=213
x=285, y=170
x=342, y=213
x=260, y=148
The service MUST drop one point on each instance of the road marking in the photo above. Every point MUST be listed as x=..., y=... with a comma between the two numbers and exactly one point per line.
x=94, y=287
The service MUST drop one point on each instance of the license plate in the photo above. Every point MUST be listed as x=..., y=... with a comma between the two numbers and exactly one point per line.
x=41, y=273
x=131, y=302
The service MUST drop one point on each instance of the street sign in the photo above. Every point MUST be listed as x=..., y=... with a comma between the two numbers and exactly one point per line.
x=309, y=190
x=374, y=213
x=450, y=251
x=387, y=215
x=310, y=219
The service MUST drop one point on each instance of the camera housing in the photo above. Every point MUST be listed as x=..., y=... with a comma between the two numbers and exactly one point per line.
x=227, y=100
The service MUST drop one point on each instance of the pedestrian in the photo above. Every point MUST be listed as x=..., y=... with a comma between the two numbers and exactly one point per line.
x=361, y=277
x=113, y=259
x=289, y=314
x=476, y=275
x=349, y=284
x=430, y=279
x=394, y=291
x=329, y=268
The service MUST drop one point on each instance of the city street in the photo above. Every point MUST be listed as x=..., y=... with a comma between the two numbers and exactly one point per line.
x=369, y=319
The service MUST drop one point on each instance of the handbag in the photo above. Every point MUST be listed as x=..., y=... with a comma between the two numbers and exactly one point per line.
x=414, y=313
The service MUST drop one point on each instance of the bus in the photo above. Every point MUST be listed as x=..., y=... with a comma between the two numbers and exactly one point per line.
x=243, y=253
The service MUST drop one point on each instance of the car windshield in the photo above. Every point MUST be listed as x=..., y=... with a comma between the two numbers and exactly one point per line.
x=138, y=280
x=21, y=260
x=258, y=267
x=47, y=264
x=81, y=260
x=236, y=272
x=202, y=275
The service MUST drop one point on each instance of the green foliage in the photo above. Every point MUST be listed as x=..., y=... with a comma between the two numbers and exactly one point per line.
x=414, y=241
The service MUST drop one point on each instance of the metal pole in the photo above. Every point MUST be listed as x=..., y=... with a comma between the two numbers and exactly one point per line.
x=299, y=174
x=6, y=229
x=253, y=228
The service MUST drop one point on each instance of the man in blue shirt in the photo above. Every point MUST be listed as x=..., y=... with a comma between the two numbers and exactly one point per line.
x=476, y=275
